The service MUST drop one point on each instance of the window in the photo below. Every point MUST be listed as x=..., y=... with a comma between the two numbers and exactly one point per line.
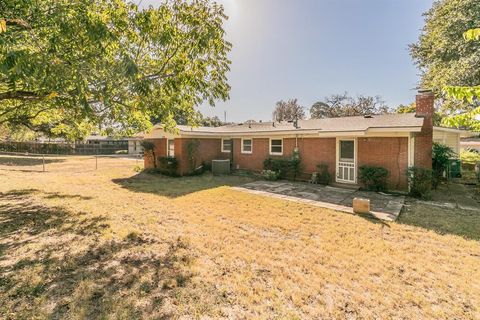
x=276, y=146
x=170, y=148
x=226, y=145
x=347, y=150
x=247, y=145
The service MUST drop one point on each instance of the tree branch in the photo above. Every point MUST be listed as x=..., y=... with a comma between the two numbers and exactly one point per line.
x=20, y=95
x=18, y=23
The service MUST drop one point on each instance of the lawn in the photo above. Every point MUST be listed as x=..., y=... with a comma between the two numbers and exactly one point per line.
x=111, y=243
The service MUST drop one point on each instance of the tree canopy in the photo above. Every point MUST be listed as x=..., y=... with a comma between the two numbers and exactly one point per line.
x=67, y=66
x=449, y=59
x=288, y=111
x=343, y=105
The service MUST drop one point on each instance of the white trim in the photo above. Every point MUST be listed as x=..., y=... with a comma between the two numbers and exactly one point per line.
x=223, y=150
x=270, y=147
x=168, y=148
x=378, y=132
x=411, y=151
x=251, y=146
x=355, y=160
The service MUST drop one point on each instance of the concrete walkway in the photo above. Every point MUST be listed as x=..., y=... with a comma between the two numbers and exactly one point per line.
x=383, y=206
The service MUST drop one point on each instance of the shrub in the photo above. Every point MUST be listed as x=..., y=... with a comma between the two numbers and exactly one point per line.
x=374, y=178
x=419, y=182
x=441, y=154
x=284, y=167
x=470, y=157
x=323, y=176
x=279, y=165
x=168, y=166
x=270, y=175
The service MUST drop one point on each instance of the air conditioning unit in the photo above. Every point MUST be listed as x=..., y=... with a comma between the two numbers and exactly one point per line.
x=220, y=167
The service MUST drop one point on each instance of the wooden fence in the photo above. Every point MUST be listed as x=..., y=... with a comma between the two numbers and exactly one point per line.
x=64, y=148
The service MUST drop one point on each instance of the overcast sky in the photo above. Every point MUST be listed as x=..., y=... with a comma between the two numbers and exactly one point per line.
x=308, y=49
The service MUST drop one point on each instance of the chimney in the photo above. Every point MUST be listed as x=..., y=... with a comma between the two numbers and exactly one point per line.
x=423, y=140
x=424, y=103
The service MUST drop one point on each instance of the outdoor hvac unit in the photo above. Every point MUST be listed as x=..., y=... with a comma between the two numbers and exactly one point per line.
x=220, y=167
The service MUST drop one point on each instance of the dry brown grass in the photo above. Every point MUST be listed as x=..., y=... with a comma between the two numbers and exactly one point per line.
x=108, y=244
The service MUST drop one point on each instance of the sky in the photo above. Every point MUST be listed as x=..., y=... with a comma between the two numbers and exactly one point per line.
x=309, y=49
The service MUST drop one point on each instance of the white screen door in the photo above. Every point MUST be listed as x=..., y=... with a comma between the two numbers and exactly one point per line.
x=346, y=161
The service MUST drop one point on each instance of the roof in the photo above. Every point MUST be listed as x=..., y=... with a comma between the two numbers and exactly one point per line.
x=385, y=122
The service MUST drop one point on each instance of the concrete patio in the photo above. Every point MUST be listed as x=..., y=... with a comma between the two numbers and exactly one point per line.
x=383, y=206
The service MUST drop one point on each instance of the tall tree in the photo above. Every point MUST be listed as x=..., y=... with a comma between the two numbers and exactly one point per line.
x=343, y=105
x=288, y=111
x=446, y=59
x=69, y=65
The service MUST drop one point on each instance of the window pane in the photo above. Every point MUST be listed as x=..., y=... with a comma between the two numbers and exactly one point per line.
x=347, y=150
x=276, y=142
x=226, y=145
x=276, y=149
x=247, y=145
x=171, y=148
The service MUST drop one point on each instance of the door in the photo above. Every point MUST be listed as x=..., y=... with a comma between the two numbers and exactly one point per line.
x=346, y=171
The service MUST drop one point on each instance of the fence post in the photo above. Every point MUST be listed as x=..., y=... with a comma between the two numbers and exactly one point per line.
x=43, y=160
x=96, y=162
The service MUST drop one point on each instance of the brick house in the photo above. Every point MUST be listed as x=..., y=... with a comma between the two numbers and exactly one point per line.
x=392, y=141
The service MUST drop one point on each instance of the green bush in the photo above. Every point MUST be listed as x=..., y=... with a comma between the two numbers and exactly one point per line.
x=374, y=178
x=471, y=157
x=419, y=182
x=270, y=175
x=323, y=176
x=286, y=168
x=168, y=166
x=441, y=154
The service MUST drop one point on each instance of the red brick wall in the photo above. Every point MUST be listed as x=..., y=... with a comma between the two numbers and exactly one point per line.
x=208, y=150
x=423, y=139
x=389, y=153
x=313, y=151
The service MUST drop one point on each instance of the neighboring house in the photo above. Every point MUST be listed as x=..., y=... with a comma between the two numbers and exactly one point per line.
x=106, y=141
x=470, y=144
x=135, y=145
x=450, y=137
x=392, y=141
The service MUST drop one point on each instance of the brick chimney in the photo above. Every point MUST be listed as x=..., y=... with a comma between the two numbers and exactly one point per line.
x=423, y=140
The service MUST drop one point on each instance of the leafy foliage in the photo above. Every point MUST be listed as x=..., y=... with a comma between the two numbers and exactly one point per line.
x=289, y=110
x=168, y=166
x=68, y=66
x=374, y=178
x=149, y=148
x=441, y=154
x=471, y=157
x=472, y=34
x=192, y=150
x=419, y=182
x=323, y=176
x=411, y=108
x=343, y=105
x=285, y=167
x=450, y=64
x=270, y=175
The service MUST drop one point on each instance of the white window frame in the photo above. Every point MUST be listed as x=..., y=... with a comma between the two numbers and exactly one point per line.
x=227, y=151
x=168, y=148
x=276, y=153
x=251, y=146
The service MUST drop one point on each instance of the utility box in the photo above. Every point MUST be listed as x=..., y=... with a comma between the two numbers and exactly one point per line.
x=454, y=168
x=220, y=167
x=361, y=205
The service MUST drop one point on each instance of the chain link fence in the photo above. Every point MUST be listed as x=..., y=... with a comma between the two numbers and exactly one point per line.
x=27, y=162
x=103, y=148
